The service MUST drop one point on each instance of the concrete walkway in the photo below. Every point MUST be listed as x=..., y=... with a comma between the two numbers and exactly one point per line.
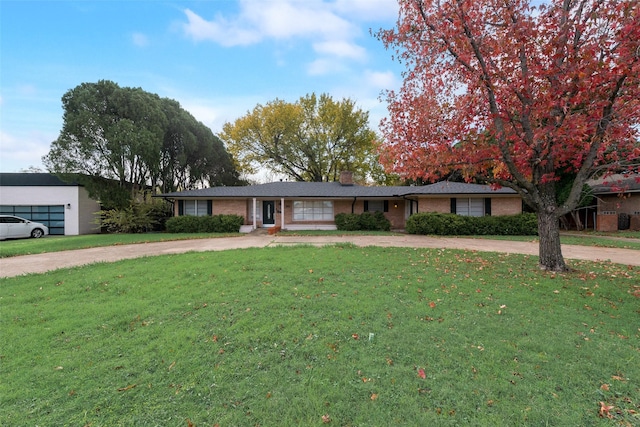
x=41, y=263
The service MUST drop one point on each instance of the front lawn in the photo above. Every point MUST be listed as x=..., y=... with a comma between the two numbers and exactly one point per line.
x=308, y=336
x=10, y=248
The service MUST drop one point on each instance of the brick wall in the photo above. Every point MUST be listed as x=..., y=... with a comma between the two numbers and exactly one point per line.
x=607, y=222
x=396, y=214
x=628, y=203
x=506, y=206
x=433, y=204
x=230, y=207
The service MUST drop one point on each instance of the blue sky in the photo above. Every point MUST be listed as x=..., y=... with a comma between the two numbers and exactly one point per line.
x=218, y=58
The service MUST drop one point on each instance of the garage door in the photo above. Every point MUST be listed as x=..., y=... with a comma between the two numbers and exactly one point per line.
x=52, y=216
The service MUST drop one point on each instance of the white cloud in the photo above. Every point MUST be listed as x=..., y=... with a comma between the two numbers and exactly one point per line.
x=282, y=19
x=332, y=28
x=214, y=114
x=323, y=66
x=140, y=39
x=20, y=153
x=227, y=33
x=368, y=10
x=381, y=79
x=276, y=19
x=341, y=49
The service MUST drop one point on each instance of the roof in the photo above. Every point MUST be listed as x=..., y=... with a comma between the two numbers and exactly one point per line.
x=336, y=190
x=616, y=184
x=32, y=180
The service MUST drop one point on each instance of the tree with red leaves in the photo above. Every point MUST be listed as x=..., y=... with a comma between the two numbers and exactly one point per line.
x=516, y=95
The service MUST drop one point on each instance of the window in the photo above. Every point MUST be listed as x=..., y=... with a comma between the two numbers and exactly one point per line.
x=469, y=206
x=313, y=210
x=194, y=207
x=376, y=206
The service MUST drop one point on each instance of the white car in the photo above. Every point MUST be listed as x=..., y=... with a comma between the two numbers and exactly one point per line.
x=14, y=227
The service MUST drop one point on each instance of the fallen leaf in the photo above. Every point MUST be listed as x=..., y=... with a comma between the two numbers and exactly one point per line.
x=355, y=336
x=129, y=387
x=604, y=387
x=326, y=419
x=374, y=396
x=421, y=373
x=604, y=410
x=432, y=304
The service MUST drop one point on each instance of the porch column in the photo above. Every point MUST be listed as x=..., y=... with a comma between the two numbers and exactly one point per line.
x=282, y=213
x=254, y=214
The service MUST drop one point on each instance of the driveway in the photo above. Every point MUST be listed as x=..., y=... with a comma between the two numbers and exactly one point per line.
x=41, y=263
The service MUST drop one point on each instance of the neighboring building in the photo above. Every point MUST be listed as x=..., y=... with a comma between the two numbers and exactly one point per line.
x=65, y=208
x=313, y=205
x=618, y=202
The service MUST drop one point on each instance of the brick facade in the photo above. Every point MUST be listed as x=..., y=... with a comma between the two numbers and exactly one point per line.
x=628, y=203
x=506, y=206
x=397, y=213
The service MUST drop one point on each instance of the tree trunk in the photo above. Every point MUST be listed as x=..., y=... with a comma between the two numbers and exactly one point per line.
x=550, y=252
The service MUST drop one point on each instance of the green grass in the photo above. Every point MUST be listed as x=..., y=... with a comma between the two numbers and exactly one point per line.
x=10, y=248
x=285, y=336
x=610, y=240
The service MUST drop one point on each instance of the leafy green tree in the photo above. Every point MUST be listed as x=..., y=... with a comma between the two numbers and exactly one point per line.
x=119, y=141
x=313, y=139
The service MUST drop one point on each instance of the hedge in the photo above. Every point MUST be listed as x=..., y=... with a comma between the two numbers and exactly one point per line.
x=205, y=224
x=365, y=221
x=451, y=224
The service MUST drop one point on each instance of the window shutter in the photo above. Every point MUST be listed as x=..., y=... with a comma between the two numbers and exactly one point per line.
x=487, y=206
x=209, y=207
x=453, y=205
x=386, y=206
x=366, y=206
x=180, y=207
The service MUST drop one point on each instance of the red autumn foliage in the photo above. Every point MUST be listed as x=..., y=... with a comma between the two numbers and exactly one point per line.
x=516, y=95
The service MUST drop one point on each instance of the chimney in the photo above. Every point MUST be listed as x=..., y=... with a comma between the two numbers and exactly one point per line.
x=346, y=178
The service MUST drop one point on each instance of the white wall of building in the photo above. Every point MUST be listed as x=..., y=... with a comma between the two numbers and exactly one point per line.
x=79, y=208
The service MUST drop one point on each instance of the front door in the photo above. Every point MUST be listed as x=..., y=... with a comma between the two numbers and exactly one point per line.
x=268, y=213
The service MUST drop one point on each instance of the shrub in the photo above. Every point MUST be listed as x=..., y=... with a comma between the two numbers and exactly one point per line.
x=205, y=224
x=367, y=221
x=364, y=221
x=139, y=217
x=382, y=223
x=347, y=222
x=452, y=224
